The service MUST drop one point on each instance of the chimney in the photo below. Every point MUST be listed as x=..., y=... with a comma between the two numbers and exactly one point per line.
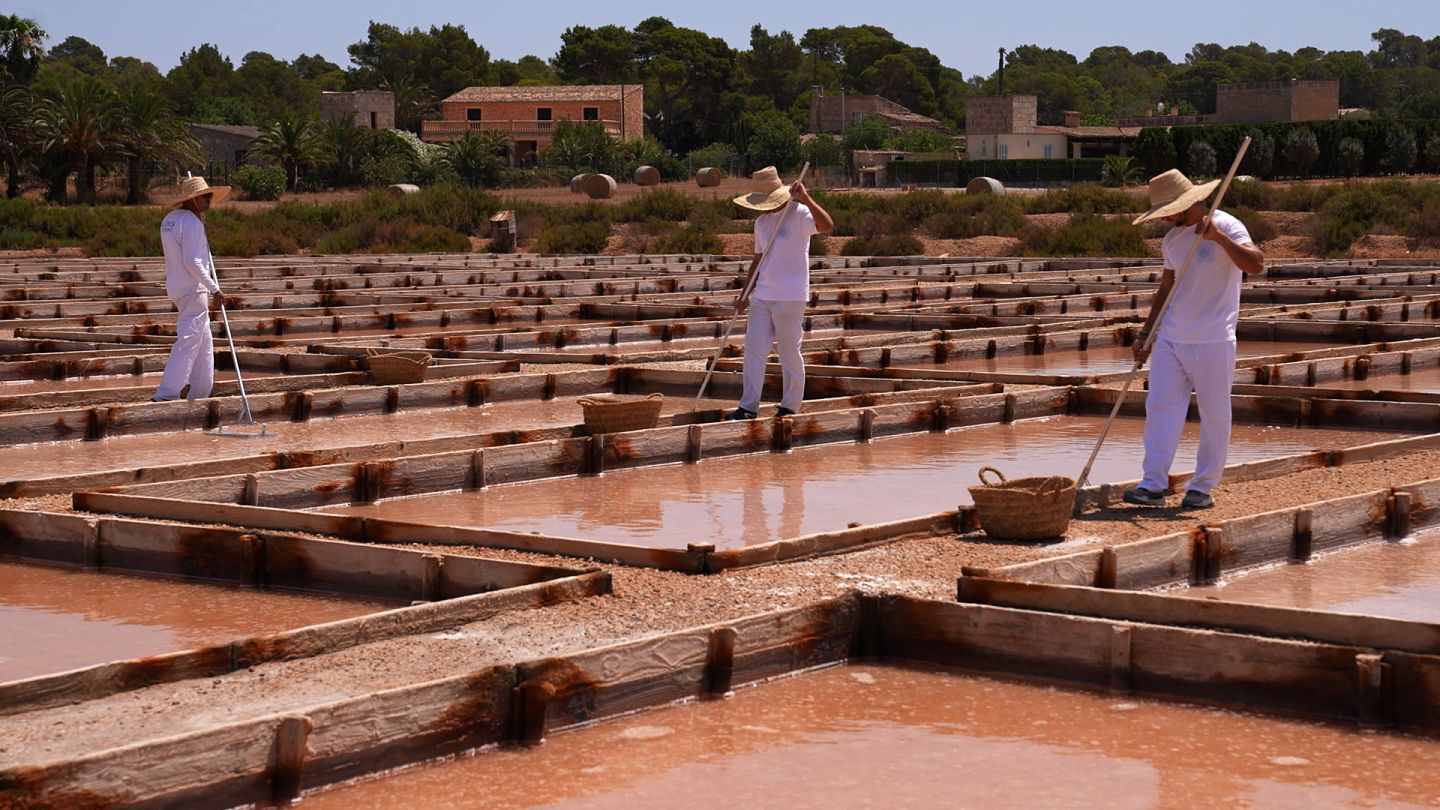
x=1072, y=118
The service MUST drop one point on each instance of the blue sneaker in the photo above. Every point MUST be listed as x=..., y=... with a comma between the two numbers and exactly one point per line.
x=1195, y=499
x=739, y=413
x=1141, y=496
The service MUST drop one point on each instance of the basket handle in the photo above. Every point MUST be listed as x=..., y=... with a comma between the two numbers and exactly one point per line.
x=656, y=395
x=583, y=401
x=997, y=473
x=1050, y=485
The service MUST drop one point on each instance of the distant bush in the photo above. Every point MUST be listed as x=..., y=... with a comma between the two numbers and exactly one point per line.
x=661, y=203
x=581, y=237
x=1085, y=197
x=259, y=182
x=686, y=239
x=371, y=234
x=977, y=216
x=1087, y=235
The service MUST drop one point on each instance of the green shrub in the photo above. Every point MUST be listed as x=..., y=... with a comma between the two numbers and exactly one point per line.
x=977, y=216
x=1087, y=235
x=581, y=237
x=371, y=234
x=1085, y=197
x=259, y=182
x=20, y=239
x=687, y=239
x=1359, y=207
x=661, y=203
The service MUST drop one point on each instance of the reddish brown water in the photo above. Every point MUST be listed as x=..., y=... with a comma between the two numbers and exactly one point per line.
x=737, y=338
x=1399, y=580
x=1104, y=359
x=1422, y=380
x=748, y=500
x=23, y=462
x=56, y=619
x=885, y=737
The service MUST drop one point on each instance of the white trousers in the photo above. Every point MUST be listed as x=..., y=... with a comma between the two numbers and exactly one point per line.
x=1176, y=369
x=192, y=359
x=780, y=323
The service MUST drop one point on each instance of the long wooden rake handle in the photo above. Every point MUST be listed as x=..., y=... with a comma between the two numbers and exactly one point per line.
x=1159, y=315
x=745, y=295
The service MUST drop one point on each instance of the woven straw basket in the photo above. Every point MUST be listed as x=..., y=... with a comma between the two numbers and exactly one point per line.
x=1036, y=508
x=394, y=368
x=617, y=414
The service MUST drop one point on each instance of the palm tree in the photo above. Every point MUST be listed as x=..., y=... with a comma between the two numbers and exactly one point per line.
x=17, y=133
x=413, y=101
x=294, y=143
x=1119, y=171
x=348, y=145
x=78, y=122
x=148, y=131
x=478, y=156
x=21, y=48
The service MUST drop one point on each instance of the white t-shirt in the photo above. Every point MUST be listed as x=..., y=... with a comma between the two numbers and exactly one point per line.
x=1205, y=304
x=189, y=269
x=785, y=274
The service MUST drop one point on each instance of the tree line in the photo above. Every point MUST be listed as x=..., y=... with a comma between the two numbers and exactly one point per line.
x=71, y=110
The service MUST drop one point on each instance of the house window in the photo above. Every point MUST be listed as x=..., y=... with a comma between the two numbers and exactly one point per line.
x=1047, y=150
x=1004, y=151
x=472, y=114
x=374, y=123
x=542, y=114
x=591, y=113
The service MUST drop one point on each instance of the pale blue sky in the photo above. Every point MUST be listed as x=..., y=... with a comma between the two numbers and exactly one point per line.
x=964, y=35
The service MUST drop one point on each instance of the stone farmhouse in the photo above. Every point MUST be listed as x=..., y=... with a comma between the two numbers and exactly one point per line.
x=527, y=115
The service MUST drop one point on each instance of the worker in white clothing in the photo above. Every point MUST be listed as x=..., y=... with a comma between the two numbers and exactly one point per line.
x=1195, y=347
x=777, y=308
x=190, y=281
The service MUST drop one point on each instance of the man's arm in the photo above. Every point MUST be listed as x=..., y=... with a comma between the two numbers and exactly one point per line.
x=824, y=223
x=1247, y=257
x=195, y=254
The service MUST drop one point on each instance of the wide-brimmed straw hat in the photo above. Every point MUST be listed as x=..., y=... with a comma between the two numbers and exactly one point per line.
x=192, y=187
x=1171, y=193
x=767, y=193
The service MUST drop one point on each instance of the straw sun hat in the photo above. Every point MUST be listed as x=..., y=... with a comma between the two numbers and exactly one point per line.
x=192, y=187
x=767, y=193
x=1171, y=193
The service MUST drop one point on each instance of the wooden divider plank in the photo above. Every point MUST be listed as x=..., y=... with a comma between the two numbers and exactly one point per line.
x=1153, y=562
x=48, y=536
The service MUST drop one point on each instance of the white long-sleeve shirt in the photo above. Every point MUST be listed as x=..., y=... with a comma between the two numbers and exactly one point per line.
x=189, y=268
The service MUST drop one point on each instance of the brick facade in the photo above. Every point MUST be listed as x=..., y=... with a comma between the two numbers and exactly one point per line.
x=1000, y=115
x=1281, y=101
x=527, y=115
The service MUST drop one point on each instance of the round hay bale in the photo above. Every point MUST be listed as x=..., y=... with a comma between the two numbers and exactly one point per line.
x=599, y=186
x=401, y=189
x=985, y=185
x=577, y=183
x=709, y=177
x=647, y=176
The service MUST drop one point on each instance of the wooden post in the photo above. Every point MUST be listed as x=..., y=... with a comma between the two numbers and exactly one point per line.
x=1009, y=414
x=288, y=762
x=304, y=403
x=90, y=544
x=1362, y=368
x=1300, y=547
x=1407, y=360
x=694, y=447
x=939, y=417
x=885, y=357
x=392, y=399
x=720, y=667
x=252, y=561
x=868, y=642
x=430, y=581
x=475, y=393
x=549, y=392
x=595, y=455
x=1310, y=375
x=1400, y=505
x=370, y=481
x=250, y=495
x=530, y=711
x=1120, y=637
x=867, y=424
x=1109, y=568
x=1306, y=415
x=1375, y=696
x=97, y=423
x=477, y=469
x=212, y=414
x=1214, y=547
x=784, y=435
